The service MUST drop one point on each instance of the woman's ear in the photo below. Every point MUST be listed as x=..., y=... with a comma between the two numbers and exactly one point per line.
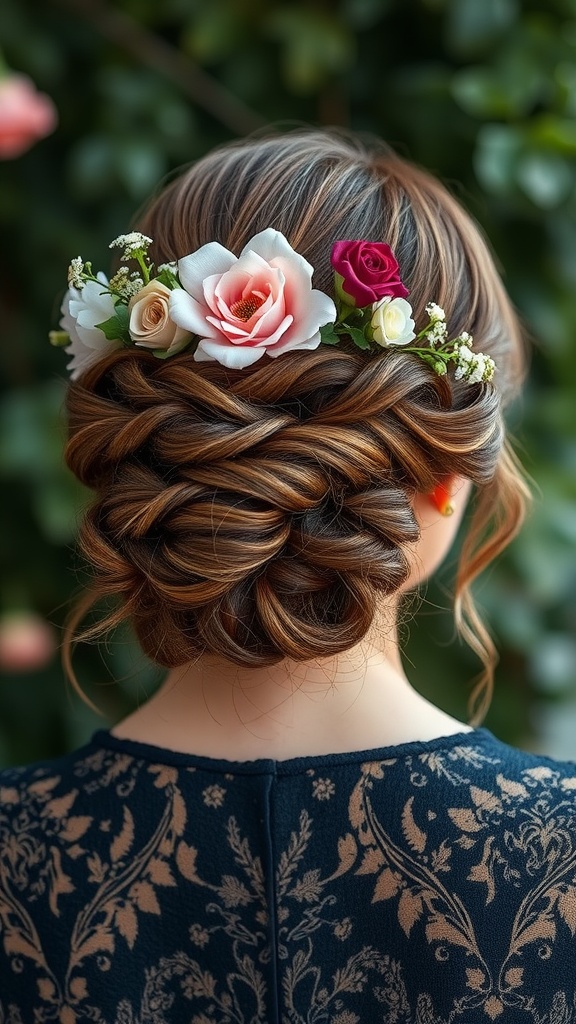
x=441, y=496
x=438, y=526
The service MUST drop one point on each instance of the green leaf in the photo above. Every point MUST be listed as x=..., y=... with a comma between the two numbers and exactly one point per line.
x=358, y=337
x=328, y=335
x=122, y=313
x=111, y=328
x=167, y=278
x=430, y=359
x=116, y=327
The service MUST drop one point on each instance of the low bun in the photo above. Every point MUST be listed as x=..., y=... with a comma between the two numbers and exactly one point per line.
x=261, y=513
x=258, y=516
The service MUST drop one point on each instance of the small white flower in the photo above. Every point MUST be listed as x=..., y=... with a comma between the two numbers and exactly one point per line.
x=465, y=339
x=121, y=274
x=132, y=243
x=437, y=333
x=483, y=369
x=490, y=368
x=477, y=373
x=126, y=284
x=120, y=281
x=171, y=267
x=75, y=279
x=134, y=285
x=392, y=322
x=463, y=360
x=474, y=367
x=435, y=312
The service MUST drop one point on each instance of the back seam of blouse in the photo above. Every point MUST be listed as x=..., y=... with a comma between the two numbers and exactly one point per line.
x=271, y=895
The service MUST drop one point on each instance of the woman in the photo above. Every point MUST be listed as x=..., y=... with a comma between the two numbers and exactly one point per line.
x=287, y=831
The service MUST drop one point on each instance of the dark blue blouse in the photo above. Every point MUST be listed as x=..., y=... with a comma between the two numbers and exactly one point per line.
x=427, y=883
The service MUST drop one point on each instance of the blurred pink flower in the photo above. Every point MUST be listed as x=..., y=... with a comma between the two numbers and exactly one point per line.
x=26, y=115
x=27, y=642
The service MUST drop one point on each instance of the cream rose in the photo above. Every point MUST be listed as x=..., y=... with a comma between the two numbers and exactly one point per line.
x=150, y=323
x=392, y=322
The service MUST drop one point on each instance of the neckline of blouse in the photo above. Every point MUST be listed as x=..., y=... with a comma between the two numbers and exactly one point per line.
x=293, y=765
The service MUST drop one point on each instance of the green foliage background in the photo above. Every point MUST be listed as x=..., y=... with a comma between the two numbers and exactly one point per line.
x=481, y=93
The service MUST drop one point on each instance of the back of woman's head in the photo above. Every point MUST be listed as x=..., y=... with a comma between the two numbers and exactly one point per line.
x=261, y=513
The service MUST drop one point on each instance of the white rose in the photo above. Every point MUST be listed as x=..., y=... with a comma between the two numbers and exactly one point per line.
x=82, y=309
x=392, y=322
x=150, y=323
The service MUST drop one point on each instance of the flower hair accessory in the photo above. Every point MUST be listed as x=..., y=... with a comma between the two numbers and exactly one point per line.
x=235, y=309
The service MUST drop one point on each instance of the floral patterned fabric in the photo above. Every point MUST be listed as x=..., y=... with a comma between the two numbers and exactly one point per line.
x=427, y=883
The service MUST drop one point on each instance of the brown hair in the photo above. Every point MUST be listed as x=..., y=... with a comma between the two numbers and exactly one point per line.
x=258, y=514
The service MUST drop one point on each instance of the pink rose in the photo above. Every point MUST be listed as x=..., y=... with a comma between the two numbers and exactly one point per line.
x=25, y=115
x=369, y=271
x=27, y=642
x=243, y=307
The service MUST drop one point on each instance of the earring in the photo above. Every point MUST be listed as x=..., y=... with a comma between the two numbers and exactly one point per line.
x=441, y=498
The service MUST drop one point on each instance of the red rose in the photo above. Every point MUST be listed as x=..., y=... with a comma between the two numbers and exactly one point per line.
x=25, y=115
x=369, y=271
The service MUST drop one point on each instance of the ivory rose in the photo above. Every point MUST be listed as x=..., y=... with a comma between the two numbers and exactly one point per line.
x=82, y=309
x=25, y=115
x=243, y=307
x=368, y=271
x=392, y=322
x=150, y=323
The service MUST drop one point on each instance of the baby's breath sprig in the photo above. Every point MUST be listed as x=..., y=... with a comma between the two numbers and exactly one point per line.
x=135, y=246
x=473, y=367
x=125, y=284
x=79, y=272
x=76, y=272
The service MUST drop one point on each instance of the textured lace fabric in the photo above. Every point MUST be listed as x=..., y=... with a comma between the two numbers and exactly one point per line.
x=421, y=884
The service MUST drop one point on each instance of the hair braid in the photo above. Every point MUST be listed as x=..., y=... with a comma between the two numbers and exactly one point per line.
x=260, y=528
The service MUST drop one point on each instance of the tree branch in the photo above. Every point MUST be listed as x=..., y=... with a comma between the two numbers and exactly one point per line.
x=147, y=48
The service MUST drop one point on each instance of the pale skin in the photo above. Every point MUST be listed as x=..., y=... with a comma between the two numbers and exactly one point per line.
x=358, y=700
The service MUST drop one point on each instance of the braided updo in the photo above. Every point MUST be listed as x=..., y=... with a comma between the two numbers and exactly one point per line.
x=259, y=514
